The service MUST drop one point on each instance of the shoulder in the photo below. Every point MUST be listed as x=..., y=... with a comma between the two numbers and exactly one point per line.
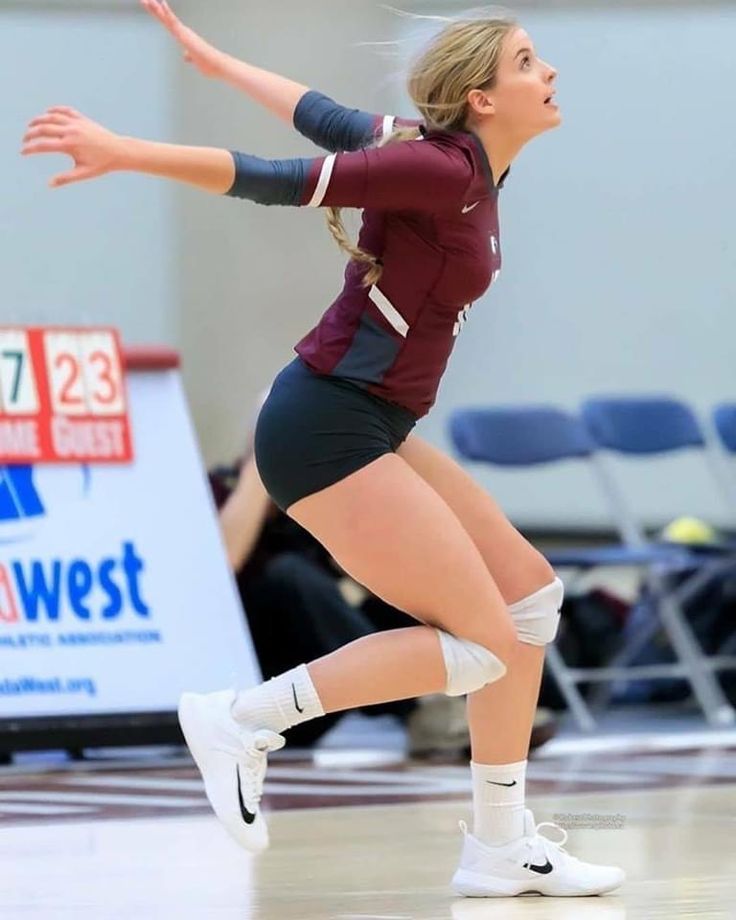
x=467, y=151
x=455, y=149
x=459, y=141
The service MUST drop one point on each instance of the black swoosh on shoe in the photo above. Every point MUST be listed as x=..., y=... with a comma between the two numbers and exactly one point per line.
x=248, y=816
x=542, y=870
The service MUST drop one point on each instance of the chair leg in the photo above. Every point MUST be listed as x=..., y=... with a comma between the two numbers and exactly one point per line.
x=568, y=688
x=601, y=694
x=681, y=595
x=707, y=690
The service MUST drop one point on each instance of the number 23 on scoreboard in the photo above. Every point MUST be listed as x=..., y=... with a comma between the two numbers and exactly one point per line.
x=82, y=369
x=84, y=373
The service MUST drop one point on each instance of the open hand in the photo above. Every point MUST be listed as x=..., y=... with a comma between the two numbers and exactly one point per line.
x=61, y=129
x=205, y=57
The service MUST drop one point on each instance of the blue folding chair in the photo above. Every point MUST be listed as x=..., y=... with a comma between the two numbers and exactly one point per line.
x=724, y=417
x=724, y=423
x=527, y=436
x=648, y=426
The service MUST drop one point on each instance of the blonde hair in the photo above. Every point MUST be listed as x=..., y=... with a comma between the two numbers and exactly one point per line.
x=464, y=56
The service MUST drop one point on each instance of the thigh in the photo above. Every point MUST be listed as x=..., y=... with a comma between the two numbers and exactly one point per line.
x=516, y=566
x=395, y=535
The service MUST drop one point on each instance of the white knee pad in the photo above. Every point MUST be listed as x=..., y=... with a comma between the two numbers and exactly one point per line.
x=537, y=616
x=469, y=666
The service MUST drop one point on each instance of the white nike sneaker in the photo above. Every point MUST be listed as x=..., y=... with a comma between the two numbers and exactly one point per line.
x=531, y=864
x=232, y=760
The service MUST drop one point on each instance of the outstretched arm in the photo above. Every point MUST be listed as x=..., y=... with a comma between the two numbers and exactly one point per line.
x=328, y=124
x=97, y=151
x=278, y=94
x=409, y=176
x=418, y=176
x=335, y=127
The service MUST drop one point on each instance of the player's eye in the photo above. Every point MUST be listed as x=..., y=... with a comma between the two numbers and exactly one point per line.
x=526, y=60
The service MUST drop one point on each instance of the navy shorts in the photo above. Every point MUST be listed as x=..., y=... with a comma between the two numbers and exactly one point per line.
x=314, y=430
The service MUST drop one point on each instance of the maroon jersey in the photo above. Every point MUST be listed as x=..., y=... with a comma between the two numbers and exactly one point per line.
x=430, y=214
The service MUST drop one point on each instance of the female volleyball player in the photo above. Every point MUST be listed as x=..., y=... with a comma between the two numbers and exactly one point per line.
x=333, y=442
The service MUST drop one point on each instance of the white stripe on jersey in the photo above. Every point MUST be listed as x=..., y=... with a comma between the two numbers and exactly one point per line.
x=324, y=180
x=389, y=310
x=388, y=125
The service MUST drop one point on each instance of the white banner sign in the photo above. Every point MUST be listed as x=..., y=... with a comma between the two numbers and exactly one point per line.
x=115, y=595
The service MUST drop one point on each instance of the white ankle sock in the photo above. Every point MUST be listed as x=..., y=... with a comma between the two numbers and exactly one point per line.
x=279, y=703
x=498, y=801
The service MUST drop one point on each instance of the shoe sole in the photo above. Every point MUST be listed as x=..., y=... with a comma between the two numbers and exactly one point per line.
x=472, y=885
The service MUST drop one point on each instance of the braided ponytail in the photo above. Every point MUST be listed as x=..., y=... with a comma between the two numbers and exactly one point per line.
x=337, y=228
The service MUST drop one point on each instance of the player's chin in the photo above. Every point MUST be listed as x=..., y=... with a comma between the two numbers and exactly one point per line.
x=552, y=119
x=555, y=115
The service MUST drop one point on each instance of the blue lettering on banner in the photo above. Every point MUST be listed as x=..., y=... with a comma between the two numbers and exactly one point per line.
x=27, y=684
x=41, y=587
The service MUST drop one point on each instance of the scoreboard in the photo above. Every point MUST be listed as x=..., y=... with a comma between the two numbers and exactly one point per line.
x=62, y=396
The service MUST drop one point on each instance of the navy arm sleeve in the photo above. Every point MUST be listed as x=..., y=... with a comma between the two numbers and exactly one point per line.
x=420, y=175
x=335, y=127
x=268, y=181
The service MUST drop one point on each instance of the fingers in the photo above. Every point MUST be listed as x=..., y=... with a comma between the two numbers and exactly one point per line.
x=165, y=15
x=161, y=11
x=58, y=115
x=154, y=8
x=42, y=133
x=45, y=131
x=57, y=120
x=167, y=11
x=49, y=133
x=54, y=145
x=65, y=110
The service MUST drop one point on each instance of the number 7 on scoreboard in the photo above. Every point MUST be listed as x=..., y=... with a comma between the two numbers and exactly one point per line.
x=18, y=393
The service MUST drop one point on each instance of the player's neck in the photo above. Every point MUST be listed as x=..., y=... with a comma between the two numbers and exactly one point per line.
x=500, y=150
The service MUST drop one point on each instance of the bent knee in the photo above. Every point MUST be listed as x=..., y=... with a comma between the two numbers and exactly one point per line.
x=469, y=666
x=537, y=616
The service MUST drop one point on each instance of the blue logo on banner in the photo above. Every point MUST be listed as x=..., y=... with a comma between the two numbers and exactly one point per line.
x=23, y=500
x=18, y=495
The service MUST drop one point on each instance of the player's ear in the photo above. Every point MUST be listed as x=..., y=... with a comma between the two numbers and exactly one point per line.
x=480, y=103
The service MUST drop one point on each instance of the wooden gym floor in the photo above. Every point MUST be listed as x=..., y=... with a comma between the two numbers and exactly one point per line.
x=363, y=835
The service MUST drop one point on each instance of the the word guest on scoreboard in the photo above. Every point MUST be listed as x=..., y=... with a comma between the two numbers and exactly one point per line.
x=62, y=396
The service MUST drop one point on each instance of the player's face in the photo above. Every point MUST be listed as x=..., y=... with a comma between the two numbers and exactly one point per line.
x=523, y=87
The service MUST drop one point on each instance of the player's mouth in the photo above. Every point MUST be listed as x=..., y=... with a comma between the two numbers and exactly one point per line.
x=550, y=101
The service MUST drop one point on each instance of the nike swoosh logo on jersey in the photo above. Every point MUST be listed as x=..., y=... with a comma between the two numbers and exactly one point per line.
x=509, y=785
x=469, y=207
x=296, y=701
x=542, y=870
x=248, y=816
